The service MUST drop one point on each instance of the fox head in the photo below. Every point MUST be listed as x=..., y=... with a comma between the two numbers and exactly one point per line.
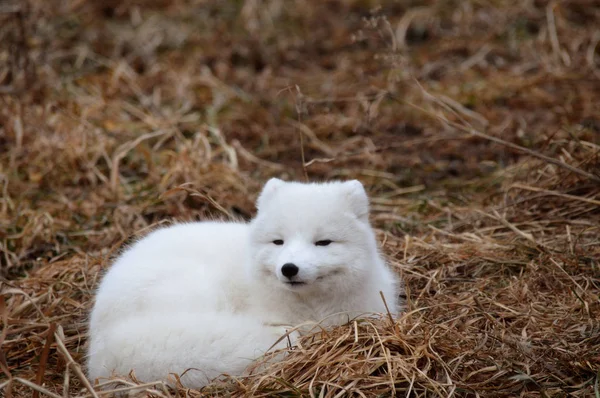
x=313, y=236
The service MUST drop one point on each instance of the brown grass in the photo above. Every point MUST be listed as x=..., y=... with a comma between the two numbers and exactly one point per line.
x=474, y=125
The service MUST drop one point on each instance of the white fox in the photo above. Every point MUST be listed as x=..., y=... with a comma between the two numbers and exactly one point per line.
x=205, y=299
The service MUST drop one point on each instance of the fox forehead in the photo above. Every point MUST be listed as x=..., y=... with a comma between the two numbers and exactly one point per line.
x=310, y=211
x=307, y=206
x=309, y=226
x=305, y=211
x=312, y=197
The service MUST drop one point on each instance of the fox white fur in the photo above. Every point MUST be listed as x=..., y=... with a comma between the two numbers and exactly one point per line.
x=204, y=299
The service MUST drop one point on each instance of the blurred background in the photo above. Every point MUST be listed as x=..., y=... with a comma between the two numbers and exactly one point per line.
x=475, y=126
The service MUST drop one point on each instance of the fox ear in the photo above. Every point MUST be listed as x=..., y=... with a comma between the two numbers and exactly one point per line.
x=358, y=199
x=268, y=190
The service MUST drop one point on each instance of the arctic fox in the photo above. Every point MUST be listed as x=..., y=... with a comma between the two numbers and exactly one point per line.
x=205, y=299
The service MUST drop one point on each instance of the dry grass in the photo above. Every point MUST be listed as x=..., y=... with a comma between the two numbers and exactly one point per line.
x=474, y=126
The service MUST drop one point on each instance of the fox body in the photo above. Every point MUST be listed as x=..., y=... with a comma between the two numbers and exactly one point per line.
x=204, y=299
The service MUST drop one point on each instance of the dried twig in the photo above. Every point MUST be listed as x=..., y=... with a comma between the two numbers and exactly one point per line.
x=59, y=338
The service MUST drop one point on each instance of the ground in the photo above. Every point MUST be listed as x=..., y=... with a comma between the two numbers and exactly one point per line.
x=475, y=127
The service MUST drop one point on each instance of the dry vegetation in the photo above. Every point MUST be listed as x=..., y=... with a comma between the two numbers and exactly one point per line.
x=475, y=127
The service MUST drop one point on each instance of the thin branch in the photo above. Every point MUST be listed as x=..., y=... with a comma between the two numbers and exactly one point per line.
x=58, y=336
x=37, y=388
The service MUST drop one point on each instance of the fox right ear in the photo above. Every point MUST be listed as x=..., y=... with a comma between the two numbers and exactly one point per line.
x=358, y=199
x=268, y=190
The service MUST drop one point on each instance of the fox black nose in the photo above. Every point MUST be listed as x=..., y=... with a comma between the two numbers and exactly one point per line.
x=288, y=270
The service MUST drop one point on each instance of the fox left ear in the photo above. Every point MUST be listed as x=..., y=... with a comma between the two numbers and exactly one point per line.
x=268, y=190
x=358, y=199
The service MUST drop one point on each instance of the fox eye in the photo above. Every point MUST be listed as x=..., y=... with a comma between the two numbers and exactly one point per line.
x=278, y=242
x=324, y=242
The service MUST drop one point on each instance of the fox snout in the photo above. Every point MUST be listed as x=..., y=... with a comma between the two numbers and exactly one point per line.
x=289, y=270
